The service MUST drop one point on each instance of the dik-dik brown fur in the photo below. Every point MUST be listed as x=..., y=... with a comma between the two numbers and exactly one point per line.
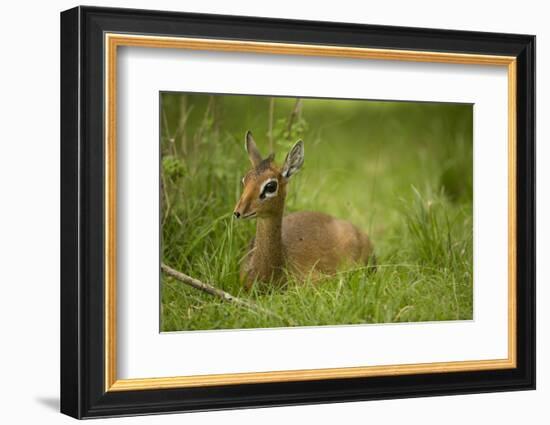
x=306, y=244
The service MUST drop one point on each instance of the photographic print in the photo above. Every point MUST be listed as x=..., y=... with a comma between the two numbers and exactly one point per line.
x=322, y=195
x=281, y=212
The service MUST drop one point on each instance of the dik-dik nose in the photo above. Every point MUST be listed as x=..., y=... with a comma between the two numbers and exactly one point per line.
x=240, y=208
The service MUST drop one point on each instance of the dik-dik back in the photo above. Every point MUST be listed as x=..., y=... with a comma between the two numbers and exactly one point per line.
x=303, y=243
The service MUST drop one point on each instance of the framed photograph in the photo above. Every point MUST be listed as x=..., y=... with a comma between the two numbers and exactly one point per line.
x=260, y=212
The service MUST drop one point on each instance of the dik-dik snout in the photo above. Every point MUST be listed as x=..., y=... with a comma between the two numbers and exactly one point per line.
x=264, y=186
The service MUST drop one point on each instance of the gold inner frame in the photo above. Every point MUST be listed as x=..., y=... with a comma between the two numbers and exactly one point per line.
x=113, y=41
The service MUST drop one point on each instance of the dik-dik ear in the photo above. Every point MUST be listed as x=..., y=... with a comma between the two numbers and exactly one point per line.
x=253, y=153
x=294, y=160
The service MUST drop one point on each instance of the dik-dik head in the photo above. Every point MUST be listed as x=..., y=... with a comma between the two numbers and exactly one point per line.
x=264, y=186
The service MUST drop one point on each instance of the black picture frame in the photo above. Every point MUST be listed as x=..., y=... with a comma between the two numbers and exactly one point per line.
x=83, y=392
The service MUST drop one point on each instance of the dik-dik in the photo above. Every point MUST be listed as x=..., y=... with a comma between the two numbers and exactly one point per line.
x=305, y=244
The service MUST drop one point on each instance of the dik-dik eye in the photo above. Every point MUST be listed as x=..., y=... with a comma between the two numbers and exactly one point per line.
x=269, y=189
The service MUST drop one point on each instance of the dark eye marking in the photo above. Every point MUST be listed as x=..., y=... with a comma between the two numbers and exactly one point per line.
x=269, y=189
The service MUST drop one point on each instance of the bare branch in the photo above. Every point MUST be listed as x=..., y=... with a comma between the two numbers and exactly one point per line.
x=171, y=140
x=296, y=111
x=212, y=290
x=270, y=129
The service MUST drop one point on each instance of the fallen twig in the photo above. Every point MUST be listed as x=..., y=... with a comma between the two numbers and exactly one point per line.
x=212, y=290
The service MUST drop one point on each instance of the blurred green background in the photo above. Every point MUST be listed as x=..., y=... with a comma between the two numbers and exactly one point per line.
x=401, y=171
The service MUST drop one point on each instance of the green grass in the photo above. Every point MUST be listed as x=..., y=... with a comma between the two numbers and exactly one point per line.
x=400, y=171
